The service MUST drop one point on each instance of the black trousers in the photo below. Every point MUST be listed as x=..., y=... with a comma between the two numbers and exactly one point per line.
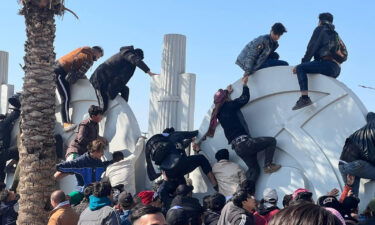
x=248, y=149
x=63, y=87
x=106, y=93
x=187, y=164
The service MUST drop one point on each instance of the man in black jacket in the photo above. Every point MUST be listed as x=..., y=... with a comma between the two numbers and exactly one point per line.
x=111, y=77
x=228, y=113
x=6, y=126
x=324, y=62
x=358, y=155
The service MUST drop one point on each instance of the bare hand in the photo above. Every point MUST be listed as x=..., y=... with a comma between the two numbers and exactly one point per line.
x=230, y=89
x=245, y=79
x=294, y=70
x=350, y=179
x=196, y=147
x=152, y=74
x=333, y=192
x=350, y=193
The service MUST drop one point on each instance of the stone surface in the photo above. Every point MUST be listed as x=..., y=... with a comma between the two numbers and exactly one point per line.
x=4, y=58
x=309, y=140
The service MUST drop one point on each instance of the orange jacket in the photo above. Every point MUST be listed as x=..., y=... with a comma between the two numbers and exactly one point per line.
x=75, y=59
x=64, y=215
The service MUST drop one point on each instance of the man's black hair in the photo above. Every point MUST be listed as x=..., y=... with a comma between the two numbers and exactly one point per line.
x=102, y=189
x=287, y=199
x=328, y=17
x=117, y=156
x=139, y=53
x=184, y=189
x=249, y=186
x=4, y=195
x=216, y=202
x=99, y=49
x=222, y=154
x=144, y=210
x=239, y=197
x=278, y=29
x=88, y=191
x=95, y=110
x=206, y=201
x=168, y=130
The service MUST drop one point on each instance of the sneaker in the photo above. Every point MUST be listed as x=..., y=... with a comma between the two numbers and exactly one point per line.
x=302, y=102
x=271, y=168
x=69, y=127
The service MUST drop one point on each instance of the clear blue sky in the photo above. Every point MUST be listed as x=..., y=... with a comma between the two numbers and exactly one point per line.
x=216, y=32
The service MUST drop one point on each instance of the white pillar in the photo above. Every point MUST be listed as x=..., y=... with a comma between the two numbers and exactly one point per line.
x=165, y=90
x=4, y=58
x=185, y=114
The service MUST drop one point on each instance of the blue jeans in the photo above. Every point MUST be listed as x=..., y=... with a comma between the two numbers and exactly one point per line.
x=273, y=62
x=359, y=169
x=325, y=67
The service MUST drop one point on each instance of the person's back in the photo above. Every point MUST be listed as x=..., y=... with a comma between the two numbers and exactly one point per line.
x=228, y=174
x=234, y=215
x=99, y=210
x=215, y=203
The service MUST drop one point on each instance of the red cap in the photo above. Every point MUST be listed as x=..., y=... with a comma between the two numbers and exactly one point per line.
x=146, y=197
x=299, y=190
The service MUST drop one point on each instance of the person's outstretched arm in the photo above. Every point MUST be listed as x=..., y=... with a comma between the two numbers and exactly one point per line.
x=245, y=96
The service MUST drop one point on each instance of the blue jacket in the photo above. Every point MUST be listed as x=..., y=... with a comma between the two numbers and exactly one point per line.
x=89, y=168
x=255, y=53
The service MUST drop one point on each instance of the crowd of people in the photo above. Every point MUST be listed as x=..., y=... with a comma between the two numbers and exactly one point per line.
x=106, y=191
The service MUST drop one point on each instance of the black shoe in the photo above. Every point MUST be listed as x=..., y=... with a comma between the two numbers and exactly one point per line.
x=302, y=102
x=15, y=100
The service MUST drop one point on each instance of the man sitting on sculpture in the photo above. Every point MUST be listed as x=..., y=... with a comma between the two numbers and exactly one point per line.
x=70, y=68
x=227, y=112
x=358, y=155
x=324, y=45
x=260, y=52
x=111, y=77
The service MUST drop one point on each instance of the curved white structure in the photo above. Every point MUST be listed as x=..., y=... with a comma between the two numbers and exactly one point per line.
x=119, y=126
x=309, y=140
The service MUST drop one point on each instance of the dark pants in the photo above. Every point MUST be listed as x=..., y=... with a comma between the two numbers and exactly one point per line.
x=63, y=88
x=273, y=62
x=325, y=67
x=5, y=155
x=167, y=190
x=247, y=150
x=104, y=94
x=188, y=164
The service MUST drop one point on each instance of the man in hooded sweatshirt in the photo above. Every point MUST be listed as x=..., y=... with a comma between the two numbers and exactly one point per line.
x=324, y=61
x=268, y=207
x=111, y=77
x=100, y=209
x=358, y=155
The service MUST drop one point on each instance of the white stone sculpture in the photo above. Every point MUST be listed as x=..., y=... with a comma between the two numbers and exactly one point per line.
x=309, y=140
x=6, y=90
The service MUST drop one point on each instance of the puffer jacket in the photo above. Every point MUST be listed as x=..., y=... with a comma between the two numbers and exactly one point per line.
x=255, y=53
x=234, y=215
x=319, y=43
x=118, y=69
x=364, y=139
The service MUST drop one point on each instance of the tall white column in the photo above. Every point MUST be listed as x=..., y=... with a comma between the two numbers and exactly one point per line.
x=186, y=108
x=4, y=58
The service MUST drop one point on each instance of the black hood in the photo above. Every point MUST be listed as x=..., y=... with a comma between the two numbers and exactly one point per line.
x=370, y=117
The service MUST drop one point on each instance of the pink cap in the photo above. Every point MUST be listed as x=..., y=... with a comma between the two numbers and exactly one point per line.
x=337, y=214
x=220, y=96
x=299, y=190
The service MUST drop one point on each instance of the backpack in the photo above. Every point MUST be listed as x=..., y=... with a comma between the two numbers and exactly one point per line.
x=159, y=147
x=337, y=48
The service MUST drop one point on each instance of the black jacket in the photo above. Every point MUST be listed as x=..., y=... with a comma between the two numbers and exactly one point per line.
x=6, y=126
x=7, y=213
x=319, y=43
x=190, y=205
x=363, y=141
x=118, y=69
x=210, y=217
x=230, y=116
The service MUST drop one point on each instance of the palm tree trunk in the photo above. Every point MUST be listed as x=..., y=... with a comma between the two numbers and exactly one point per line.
x=37, y=152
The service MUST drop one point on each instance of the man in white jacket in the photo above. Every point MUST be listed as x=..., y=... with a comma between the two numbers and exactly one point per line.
x=122, y=171
x=228, y=174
